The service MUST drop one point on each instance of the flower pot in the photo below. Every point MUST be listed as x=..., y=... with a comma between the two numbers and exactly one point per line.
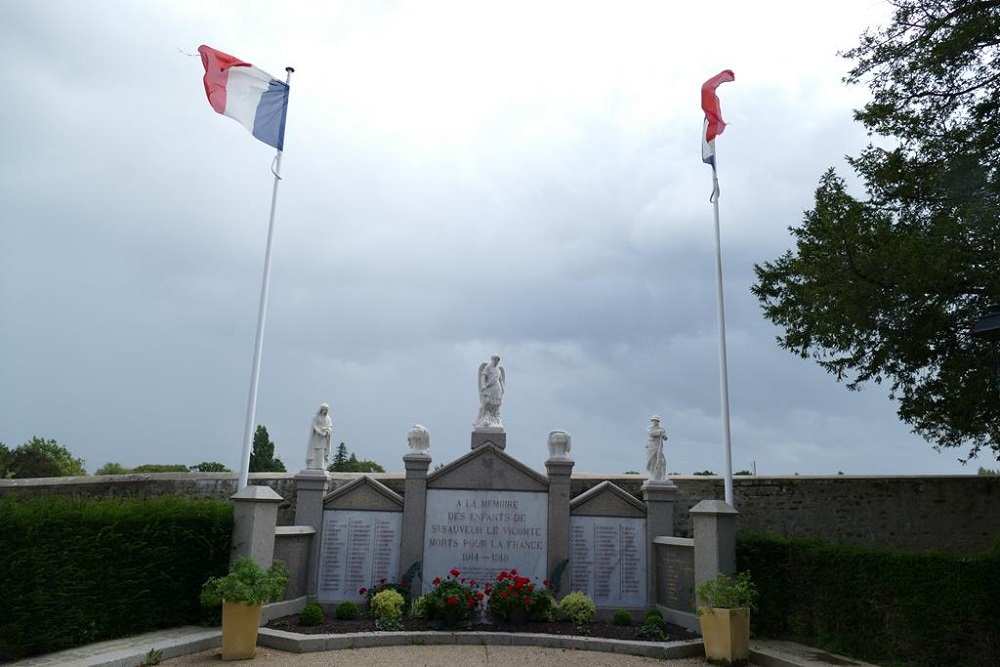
x=239, y=630
x=726, y=633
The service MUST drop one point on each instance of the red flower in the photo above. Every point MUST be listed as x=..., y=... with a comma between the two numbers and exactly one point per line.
x=472, y=603
x=514, y=572
x=436, y=581
x=472, y=583
x=452, y=600
x=454, y=572
x=381, y=581
x=545, y=583
x=504, y=595
x=362, y=591
x=479, y=596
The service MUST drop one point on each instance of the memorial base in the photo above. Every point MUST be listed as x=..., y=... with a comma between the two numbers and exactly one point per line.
x=494, y=436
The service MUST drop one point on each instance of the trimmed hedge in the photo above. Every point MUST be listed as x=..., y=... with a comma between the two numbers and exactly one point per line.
x=78, y=570
x=891, y=607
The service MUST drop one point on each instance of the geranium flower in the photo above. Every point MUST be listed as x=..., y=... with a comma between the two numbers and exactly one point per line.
x=437, y=580
x=362, y=591
x=454, y=572
x=452, y=600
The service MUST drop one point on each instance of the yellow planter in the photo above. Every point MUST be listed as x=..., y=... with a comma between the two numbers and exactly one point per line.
x=239, y=630
x=726, y=633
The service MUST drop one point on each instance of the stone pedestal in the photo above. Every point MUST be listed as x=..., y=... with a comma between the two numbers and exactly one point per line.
x=660, y=496
x=311, y=486
x=494, y=435
x=414, y=508
x=714, y=539
x=255, y=514
x=559, y=470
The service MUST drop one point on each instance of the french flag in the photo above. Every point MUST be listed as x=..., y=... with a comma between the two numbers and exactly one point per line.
x=249, y=95
x=714, y=125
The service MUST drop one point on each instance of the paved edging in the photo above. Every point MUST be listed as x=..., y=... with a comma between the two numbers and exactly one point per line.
x=296, y=643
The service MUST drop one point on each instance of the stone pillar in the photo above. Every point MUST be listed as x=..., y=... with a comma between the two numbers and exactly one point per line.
x=714, y=540
x=255, y=515
x=560, y=470
x=660, y=496
x=310, y=487
x=414, y=508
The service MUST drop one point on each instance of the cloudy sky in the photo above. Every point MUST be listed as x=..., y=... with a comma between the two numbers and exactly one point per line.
x=460, y=178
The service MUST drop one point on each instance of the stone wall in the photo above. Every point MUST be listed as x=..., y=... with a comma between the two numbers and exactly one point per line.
x=956, y=513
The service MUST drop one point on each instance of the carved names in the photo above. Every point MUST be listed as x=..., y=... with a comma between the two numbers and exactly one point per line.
x=481, y=533
x=357, y=549
x=608, y=560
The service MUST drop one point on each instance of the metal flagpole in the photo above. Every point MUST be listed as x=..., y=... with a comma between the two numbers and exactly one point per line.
x=248, y=430
x=723, y=366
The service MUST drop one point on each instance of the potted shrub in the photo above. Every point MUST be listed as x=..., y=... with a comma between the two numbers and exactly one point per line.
x=242, y=593
x=724, y=615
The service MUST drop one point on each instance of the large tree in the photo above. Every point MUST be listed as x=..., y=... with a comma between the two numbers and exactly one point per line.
x=262, y=458
x=39, y=458
x=886, y=288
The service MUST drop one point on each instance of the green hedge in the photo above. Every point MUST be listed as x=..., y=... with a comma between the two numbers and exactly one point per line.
x=891, y=607
x=76, y=570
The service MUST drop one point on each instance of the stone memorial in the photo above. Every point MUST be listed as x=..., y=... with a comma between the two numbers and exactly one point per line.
x=358, y=548
x=481, y=533
x=608, y=560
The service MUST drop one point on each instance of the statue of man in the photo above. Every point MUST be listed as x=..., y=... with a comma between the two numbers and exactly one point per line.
x=656, y=462
x=492, y=379
x=319, y=439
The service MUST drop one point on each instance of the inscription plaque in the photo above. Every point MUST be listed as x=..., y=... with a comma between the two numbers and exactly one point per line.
x=608, y=560
x=357, y=550
x=675, y=568
x=481, y=533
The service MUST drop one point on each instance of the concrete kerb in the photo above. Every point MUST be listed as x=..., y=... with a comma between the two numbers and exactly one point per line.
x=296, y=643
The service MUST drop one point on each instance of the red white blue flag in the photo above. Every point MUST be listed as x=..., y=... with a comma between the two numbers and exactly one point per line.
x=249, y=95
x=714, y=125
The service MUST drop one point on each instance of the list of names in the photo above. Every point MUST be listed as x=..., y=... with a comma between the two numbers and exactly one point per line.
x=608, y=560
x=357, y=550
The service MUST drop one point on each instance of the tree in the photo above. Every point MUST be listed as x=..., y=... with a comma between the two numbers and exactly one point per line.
x=344, y=463
x=262, y=458
x=886, y=288
x=159, y=467
x=41, y=458
x=112, y=468
x=210, y=466
x=339, y=463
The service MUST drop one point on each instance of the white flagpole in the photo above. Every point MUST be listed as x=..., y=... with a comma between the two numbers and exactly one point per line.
x=723, y=366
x=248, y=431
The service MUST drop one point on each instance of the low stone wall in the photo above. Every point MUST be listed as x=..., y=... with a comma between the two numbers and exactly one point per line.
x=954, y=513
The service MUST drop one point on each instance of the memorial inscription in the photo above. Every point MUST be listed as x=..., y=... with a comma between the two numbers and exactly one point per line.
x=357, y=549
x=608, y=560
x=484, y=532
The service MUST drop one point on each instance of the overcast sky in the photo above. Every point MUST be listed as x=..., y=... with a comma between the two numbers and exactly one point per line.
x=460, y=179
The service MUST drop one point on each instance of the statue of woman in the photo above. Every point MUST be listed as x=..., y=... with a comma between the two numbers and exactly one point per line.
x=319, y=439
x=656, y=462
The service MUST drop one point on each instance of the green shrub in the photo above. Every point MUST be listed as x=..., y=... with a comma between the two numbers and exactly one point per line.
x=387, y=608
x=728, y=593
x=312, y=614
x=874, y=604
x=651, y=631
x=347, y=611
x=578, y=608
x=512, y=595
x=452, y=601
x=246, y=582
x=82, y=570
x=622, y=617
x=653, y=613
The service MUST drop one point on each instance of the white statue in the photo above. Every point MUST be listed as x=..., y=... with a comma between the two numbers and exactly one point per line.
x=560, y=443
x=656, y=462
x=492, y=379
x=319, y=439
x=419, y=439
